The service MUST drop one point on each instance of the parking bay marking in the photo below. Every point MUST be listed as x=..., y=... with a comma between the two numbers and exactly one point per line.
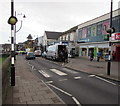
x=58, y=72
x=43, y=73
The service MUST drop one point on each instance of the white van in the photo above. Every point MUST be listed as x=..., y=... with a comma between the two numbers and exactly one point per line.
x=53, y=51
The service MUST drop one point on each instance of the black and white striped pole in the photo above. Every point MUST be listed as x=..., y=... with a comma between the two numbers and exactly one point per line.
x=12, y=21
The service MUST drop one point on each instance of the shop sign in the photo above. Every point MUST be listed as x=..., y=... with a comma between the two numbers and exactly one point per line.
x=117, y=36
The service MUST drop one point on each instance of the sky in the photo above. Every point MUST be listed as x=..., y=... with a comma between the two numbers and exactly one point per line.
x=49, y=15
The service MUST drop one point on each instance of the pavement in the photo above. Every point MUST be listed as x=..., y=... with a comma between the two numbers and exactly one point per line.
x=94, y=67
x=29, y=89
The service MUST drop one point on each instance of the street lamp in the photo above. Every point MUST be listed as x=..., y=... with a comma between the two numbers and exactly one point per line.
x=12, y=21
x=21, y=22
x=18, y=30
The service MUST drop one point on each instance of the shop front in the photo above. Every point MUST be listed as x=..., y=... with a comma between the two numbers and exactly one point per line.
x=86, y=48
x=116, y=45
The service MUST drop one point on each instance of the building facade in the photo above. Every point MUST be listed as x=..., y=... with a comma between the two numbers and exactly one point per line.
x=92, y=35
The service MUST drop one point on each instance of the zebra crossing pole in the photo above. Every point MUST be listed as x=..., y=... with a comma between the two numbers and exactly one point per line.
x=12, y=20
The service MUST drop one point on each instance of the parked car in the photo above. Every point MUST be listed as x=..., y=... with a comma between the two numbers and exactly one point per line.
x=37, y=52
x=30, y=55
x=44, y=54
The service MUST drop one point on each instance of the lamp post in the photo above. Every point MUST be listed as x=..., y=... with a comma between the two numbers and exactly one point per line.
x=18, y=31
x=12, y=21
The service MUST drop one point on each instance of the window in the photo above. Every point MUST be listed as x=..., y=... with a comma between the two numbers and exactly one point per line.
x=99, y=29
x=88, y=31
x=105, y=27
x=84, y=32
x=79, y=33
x=115, y=23
x=93, y=30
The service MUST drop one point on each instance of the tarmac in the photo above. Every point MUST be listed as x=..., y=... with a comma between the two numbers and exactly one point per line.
x=29, y=89
x=94, y=67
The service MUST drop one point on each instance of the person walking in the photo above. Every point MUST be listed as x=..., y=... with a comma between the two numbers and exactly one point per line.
x=98, y=56
x=113, y=55
x=91, y=56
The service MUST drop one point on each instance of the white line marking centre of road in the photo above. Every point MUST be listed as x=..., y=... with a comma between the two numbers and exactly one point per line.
x=60, y=90
x=58, y=72
x=105, y=80
x=77, y=77
x=70, y=71
x=43, y=73
x=63, y=79
x=49, y=82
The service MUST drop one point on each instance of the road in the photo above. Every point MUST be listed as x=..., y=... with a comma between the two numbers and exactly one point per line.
x=75, y=87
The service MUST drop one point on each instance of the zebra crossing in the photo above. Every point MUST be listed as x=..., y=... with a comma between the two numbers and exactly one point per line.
x=47, y=74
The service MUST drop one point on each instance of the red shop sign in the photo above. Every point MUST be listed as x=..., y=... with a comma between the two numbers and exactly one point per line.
x=117, y=36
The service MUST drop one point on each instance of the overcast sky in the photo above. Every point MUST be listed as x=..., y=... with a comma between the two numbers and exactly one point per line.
x=49, y=15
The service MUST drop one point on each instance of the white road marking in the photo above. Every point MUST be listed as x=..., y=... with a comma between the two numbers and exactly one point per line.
x=77, y=77
x=76, y=101
x=32, y=67
x=91, y=75
x=49, y=82
x=43, y=73
x=63, y=79
x=70, y=71
x=60, y=90
x=58, y=72
x=105, y=80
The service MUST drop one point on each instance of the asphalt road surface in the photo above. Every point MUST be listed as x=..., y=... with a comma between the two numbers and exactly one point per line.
x=75, y=87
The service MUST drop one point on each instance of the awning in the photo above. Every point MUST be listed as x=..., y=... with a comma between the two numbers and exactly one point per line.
x=91, y=46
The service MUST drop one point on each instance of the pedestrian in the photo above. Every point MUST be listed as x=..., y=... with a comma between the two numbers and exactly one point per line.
x=98, y=56
x=91, y=56
x=65, y=56
x=61, y=55
x=113, y=55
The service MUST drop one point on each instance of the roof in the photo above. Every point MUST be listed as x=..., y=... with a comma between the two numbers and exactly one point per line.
x=53, y=35
x=73, y=29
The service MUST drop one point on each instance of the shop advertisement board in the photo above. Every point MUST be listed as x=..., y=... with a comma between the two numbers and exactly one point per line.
x=116, y=36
